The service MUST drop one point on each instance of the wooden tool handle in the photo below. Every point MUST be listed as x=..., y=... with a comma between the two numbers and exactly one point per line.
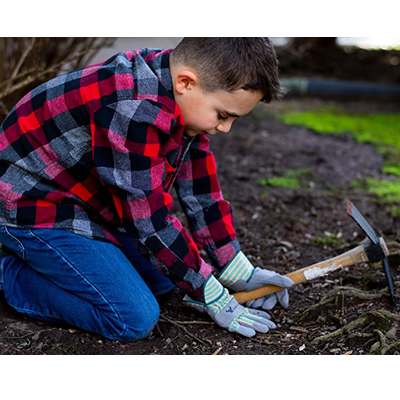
x=351, y=257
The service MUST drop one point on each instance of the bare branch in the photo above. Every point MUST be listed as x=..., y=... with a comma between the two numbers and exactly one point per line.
x=18, y=66
x=3, y=108
x=42, y=74
x=28, y=62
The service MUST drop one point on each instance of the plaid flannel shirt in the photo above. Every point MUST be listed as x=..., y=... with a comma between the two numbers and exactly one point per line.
x=97, y=150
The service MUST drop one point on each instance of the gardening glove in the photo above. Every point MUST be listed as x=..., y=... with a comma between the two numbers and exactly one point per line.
x=226, y=312
x=239, y=275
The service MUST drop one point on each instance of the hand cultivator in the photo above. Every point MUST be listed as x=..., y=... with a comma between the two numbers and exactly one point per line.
x=374, y=250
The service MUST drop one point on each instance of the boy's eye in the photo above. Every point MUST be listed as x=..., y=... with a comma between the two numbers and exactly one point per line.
x=221, y=117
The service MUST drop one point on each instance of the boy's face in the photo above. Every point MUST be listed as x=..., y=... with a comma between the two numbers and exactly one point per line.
x=210, y=113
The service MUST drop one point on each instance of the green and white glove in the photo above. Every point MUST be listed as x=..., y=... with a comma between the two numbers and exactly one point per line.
x=240, y=276
x=226, y=312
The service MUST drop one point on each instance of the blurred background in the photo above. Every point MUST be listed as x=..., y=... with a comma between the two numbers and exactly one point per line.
x=367, y=43
x=27, y=62
x=287, y=169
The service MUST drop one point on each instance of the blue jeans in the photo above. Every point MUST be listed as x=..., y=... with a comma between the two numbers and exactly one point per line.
x=59, y=276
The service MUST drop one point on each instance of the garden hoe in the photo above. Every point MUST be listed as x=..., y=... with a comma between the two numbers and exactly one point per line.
x=374, y=250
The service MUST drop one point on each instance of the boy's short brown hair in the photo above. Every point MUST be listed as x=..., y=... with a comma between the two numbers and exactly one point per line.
x=229, y=64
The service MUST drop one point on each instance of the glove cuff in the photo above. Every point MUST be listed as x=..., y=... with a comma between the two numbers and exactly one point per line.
x=239, y=268
x=214, y=294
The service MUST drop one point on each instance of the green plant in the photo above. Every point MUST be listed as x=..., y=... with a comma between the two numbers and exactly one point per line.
x=388, y=190
x=291, y=179
x=329, y=240
x=375, y=128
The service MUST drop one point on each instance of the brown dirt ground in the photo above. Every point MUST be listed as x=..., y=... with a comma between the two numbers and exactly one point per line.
x=276, y=228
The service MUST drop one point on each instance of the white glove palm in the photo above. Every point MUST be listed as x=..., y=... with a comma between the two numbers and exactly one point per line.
x=228, y=313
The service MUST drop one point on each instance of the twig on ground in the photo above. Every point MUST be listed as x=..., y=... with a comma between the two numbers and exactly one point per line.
x=298, y=329
x=360, y=322
x=169, y=341
x=195, y=322
x=29, y=334
x=265, y=341
x=216, y=351
x=159, y=330
x=332, y=296
x=393, y=244
x=19, y=351
x=170, y=321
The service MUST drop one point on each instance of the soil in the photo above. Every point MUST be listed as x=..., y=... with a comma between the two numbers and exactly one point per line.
x=346, y=312
x=277, y=228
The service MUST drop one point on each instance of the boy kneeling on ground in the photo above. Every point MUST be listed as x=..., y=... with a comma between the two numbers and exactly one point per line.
x=87, y=161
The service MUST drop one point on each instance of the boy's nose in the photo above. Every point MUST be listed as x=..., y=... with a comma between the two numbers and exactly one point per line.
x=225, y=127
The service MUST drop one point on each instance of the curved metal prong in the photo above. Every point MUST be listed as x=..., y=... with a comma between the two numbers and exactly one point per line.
x=361, y=222
x=367, y=229
x=389, y=279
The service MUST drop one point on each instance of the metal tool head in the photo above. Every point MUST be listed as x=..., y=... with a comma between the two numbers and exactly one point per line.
x=374, y=250
x=362, y=222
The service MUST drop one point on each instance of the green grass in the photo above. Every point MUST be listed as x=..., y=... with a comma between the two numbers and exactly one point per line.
x=376, y=128
x=330, y=240
x=392, y=169
x=291, y=179
x=382, y=130
x=388, y=190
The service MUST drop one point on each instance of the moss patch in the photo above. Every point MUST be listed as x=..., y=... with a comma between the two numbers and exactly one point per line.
x=387, y=190
x=392, y=169
x=377, y=128
x=390, y=190
x=291, y=179
x=329, y=240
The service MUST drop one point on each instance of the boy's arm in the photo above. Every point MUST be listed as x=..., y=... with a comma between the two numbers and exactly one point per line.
x=127, y=156
x=209, y=215
x=211, y=223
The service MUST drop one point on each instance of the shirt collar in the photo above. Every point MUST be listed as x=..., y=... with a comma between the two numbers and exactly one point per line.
x=158, y=61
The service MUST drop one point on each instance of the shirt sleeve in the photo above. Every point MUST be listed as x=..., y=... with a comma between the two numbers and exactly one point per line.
x=209, y=215
x=128, y=159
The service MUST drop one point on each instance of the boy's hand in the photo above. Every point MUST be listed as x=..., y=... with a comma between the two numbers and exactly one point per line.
x=239, y=275
x=228, y=313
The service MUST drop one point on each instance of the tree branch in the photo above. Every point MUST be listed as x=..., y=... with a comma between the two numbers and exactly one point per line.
x=18, y=66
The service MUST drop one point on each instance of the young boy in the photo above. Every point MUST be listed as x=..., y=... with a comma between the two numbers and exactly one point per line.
x=87, y=161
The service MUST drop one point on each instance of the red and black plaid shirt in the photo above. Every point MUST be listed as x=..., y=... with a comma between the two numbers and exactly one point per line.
x=97, y=150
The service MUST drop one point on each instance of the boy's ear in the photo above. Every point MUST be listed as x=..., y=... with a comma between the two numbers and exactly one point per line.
x=185, y=80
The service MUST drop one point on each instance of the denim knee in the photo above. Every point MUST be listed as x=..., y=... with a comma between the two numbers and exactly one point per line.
x=137, y=324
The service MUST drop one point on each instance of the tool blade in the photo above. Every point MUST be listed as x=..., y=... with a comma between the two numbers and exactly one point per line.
x=361, y=222
x=389, y=279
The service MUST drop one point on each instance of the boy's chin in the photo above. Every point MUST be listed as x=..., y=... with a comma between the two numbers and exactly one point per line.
x=192, y=133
